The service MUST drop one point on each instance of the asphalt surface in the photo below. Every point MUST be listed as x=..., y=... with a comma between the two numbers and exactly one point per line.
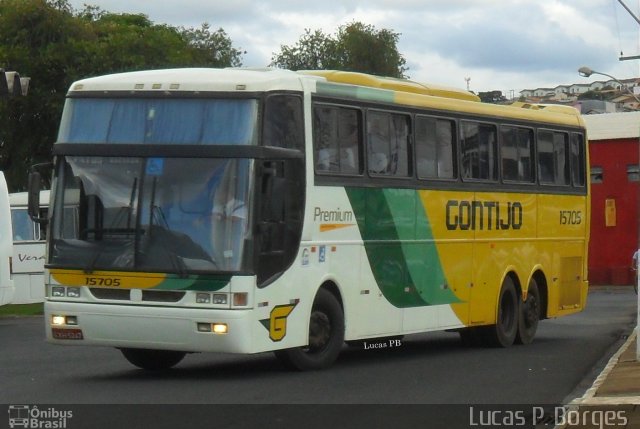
x=433, y=369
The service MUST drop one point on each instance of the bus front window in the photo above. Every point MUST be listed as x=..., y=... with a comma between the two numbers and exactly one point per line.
x=160, y=121
x=154, y=214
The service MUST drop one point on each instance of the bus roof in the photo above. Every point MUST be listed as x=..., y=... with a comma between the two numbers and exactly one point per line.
x=331, y=82
x=193, y=79
x=401, y=85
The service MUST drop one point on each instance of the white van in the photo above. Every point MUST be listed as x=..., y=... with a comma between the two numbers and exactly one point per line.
x=28, y=249
x=6, y=245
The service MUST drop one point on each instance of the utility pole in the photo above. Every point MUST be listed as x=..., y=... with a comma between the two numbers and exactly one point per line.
x=637, y=279
x=632, y=57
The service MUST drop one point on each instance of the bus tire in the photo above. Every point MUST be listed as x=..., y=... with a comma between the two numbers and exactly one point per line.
x=326, y=336
x=529, y=315
x=504, y=332
x=153, y=360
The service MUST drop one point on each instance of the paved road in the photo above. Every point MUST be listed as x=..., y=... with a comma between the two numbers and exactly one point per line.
x=427, y=369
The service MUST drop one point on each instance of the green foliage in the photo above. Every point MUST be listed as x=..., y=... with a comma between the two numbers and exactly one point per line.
x=356, y=47
x=593, y=95
x=492, y=97
x=22, y=310
x=54, y=45
x=314, y=51
x=209, y=48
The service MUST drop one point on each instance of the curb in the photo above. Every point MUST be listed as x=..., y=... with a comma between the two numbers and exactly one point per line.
x=589, y=398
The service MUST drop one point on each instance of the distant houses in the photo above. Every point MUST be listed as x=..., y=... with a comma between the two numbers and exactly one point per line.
x=609, y=96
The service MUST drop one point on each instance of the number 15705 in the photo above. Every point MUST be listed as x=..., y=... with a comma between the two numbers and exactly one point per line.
x=102, y=281
x=570, y=217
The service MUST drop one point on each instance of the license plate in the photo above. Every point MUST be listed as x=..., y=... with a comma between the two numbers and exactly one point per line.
x=66, y=334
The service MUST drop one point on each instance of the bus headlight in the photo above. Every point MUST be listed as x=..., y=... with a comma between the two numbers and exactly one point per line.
x=219, y=298
x=220, y=328
x=216, y=328
x=57, y=291
x=203, y=298
x=73, y=292
x=57, y=320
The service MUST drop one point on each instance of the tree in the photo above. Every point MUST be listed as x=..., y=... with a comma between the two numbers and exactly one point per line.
x=363, y=48
x=54, y=45
x=211, y=49
x=356, y=47
x=492, y=97
x=594, y=95
x=314, y=51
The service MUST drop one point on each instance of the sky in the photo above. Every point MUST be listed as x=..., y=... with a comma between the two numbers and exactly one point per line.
x=482, y=45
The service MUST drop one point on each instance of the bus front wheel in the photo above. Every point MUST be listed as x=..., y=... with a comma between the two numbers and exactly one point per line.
x=503, y=333
x=326, y=336
x=153, y=360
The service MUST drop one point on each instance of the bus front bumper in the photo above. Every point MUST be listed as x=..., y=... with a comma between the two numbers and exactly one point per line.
x=162, y=328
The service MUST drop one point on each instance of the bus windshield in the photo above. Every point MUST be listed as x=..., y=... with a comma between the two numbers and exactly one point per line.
x=150, y=214
x=160, y=121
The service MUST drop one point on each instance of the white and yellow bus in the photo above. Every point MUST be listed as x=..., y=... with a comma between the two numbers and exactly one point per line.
x=244, y=211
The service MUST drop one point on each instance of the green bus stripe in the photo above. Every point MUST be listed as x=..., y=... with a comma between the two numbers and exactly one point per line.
x=400, y=248
x=355, y=92
x=194, y=282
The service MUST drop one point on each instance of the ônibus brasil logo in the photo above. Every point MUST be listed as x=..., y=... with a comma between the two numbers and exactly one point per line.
x=32, y=417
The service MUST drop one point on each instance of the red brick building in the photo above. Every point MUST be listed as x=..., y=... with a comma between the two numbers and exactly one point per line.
x=614, y=145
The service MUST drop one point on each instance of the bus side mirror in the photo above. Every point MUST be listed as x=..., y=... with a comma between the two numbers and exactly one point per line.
x=33, y=190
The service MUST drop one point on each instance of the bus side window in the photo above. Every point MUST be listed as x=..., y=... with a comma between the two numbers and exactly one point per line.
x=23, y=226
x=336, y=139
x=577, y=159
x=516, y=152
x=435, y=148
x=283, y=122
x=479, y=151
x=388, y=137
x=553, y=158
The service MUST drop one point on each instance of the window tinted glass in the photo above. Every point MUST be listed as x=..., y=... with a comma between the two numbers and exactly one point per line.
x=435, y=148
x=517, y=154
x=388, y=144
x=577, y=159
x=336, y=136
x=478, y=148
x=160, y=121
x=283, y=122
x=553, y=158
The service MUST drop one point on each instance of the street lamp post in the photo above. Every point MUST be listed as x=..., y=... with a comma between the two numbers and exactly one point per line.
x=586, y=72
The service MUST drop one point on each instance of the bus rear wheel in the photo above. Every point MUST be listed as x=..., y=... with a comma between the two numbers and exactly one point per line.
x=326, y=336
x=153, y=360
x=504, y=332
x=529, y=315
